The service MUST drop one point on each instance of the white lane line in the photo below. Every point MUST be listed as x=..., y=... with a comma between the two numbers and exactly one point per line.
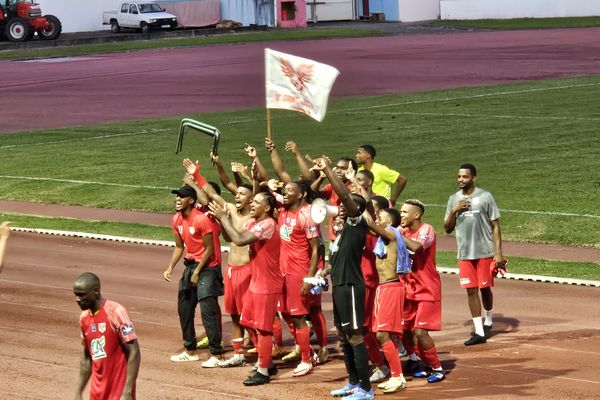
x=485, y=116
x=31, y=178
x=12, y=146
x=555, y=213
x=469, y=97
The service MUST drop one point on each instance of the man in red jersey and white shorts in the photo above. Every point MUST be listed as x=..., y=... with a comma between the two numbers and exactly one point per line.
x=266, y=285
x=111, y=353
x=423, y=304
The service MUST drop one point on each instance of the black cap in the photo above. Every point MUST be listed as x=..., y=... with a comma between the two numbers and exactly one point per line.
x=185, y=191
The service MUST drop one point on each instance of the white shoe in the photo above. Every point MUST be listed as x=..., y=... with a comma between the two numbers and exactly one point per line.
x=393, y=385
x=379, y=374
x=212, y=362
x=302, y=369
x=185, y=356
x=237, y=360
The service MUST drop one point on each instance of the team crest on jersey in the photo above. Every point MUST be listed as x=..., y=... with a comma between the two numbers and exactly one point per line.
x=312, y=229
x=192, y=230
x=285, y=232
x=93, y=327
x=102, y=327
x=180, y=229
x=127, y=329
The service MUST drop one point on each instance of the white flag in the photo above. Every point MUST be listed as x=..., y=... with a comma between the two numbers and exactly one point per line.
x=298, y=84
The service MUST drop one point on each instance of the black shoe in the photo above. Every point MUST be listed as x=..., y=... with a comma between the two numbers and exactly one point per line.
x=410, y=367
x=257, y=379
x=487, y=329
x=475, y=339
x=272, y=370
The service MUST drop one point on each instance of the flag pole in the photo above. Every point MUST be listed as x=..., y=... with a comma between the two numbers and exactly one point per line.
x=269, y=123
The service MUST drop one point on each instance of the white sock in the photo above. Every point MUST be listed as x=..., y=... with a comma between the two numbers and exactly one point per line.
x=413, y=357
x=478, y=322
x=488, y=318
x=264, y=371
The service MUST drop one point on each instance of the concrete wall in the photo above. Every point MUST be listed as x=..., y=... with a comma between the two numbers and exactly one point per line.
x=77, y=15
x=406, y=10
x=491, y=9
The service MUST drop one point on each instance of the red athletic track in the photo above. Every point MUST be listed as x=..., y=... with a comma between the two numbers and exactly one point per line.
x=546, y=346
x=160, y=83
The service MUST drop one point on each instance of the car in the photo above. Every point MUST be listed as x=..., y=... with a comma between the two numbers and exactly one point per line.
x=139, y=14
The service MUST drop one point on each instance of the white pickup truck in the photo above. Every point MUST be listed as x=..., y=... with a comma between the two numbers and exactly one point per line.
x=139, y=14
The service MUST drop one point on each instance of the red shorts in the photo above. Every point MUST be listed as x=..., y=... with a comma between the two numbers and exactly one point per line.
x=476, y=273
x=422, y=314
x=293, y=302
x=370, y=293
x=237, y=281
x=259, y=311
x=389, y=303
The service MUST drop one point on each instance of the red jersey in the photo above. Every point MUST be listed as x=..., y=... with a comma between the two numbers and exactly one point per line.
x=264, y=257
x=296, y=228
x=102, y=335
x=367, y=262
x=423, y=282
x=191, y=230
x=216, y=228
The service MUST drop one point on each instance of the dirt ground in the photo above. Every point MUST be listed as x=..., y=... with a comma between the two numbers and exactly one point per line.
x=545, y=345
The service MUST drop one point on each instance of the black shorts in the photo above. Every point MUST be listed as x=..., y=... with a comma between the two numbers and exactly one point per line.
x=348, y=306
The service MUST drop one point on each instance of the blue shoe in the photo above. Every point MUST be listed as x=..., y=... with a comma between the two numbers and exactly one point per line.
x=361, y=394
x=436, y=376
x=422, y=374
x=345, y=391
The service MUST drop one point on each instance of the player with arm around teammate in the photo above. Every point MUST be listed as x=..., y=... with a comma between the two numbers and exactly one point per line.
x=111, y=353
x=260, y=306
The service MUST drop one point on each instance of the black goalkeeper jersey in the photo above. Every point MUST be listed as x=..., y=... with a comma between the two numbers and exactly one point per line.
x=346, y=251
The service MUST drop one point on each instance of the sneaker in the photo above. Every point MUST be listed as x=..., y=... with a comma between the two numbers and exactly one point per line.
x=423, y=373
x=293, y=355
x=185, y=356
x=487, y=329
x=322, y=355
x=237, y=360
x=345, y=391
x=475, y=339
x=393, y=385
x=379, y=374
x=257, y=379
x=212, y=362
x=272, y=370
x=203, y=343
x=361, y=394
x=253, y=350
x=410, y=367
x=436, y=376
x=302, y=369
x=276, y=352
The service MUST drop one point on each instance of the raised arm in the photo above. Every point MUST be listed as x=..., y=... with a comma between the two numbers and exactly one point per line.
x=201, y=183
x=278, y=165
x=303, y=163
x=240, y=238
x=324, y=164
x=227, y=184
x=262, y=171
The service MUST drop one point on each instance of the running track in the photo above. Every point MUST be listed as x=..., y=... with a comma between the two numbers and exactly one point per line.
x=546, y=344
x=161, y=83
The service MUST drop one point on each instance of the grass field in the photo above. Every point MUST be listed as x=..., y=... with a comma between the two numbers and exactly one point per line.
x=521, y=23
x=246, y=37
x=536, y=146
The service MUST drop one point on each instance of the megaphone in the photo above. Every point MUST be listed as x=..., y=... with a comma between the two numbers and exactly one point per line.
x=319, y=210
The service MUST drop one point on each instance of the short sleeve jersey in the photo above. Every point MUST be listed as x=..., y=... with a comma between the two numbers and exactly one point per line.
x=346, y=251
x=384, y=178
x=474, y=226
x=103, y=335
x=191, y=230
x=423, y=283
x=296, y=228
x=264, y=257
x=367, y=262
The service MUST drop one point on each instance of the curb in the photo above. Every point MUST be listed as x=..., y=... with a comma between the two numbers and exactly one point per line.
x=168, y=243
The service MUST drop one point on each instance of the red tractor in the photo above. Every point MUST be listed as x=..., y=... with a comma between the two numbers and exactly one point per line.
x=21, y=19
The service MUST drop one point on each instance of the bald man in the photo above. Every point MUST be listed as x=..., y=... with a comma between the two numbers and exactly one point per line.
x=111, y=353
